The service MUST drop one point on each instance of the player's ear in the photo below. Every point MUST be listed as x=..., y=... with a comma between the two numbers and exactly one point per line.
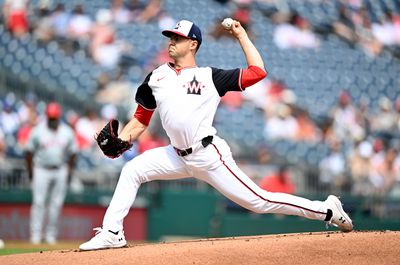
x=194, y=45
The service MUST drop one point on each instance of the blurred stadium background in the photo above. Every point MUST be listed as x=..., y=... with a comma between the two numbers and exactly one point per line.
x=327, y=116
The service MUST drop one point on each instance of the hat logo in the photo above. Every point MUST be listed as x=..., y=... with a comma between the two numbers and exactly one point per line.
x=194, y=36
x=178, y=25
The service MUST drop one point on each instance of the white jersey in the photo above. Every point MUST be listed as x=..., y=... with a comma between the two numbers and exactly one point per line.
x=187, y=99
x=51, y=148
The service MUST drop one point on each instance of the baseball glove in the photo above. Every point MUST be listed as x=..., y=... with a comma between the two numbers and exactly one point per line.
x=108, y=140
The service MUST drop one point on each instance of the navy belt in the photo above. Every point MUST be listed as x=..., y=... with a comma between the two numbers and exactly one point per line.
x=204, y=142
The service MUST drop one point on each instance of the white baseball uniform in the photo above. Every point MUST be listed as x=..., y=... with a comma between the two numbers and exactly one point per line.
x=187, y=101
x=51, y=151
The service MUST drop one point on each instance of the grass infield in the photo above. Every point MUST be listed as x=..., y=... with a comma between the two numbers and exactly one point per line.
x=17, y=247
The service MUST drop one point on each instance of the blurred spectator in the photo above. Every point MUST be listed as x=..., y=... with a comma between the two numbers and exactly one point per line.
x=120, y=14
x=9, y=119
x=275, y=93
x=384, y=120
x=59, y=22
x=257, y=93
x=332, y=170
x=165, y=20
x=295, y=34
x=103, y=47
x=43, y=31
x=344, y=26
x=79, y=27
x=360, y=166
x=278, y=181
x=109, y=112
x=86, y=128
x=27, y=110
x=15, y=14
x=363, y=115
x=306, y=129
x=118, y=92
x=365, y=37
x=385, y=30
x=383, y=174
x=25, y=130
x=281, y=126
x=344, y=115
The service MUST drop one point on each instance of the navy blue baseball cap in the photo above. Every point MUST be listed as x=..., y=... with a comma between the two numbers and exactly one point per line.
x=185, y=28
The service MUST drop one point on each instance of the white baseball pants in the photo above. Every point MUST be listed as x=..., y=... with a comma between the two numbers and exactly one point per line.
x=49, y=188
x=214, y=165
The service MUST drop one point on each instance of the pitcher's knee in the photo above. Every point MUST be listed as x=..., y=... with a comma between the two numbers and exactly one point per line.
x=130, y=170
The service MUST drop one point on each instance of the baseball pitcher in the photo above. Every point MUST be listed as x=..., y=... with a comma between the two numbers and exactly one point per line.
x=186, y=96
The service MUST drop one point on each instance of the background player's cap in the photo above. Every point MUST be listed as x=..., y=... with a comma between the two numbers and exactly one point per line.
x=53, y=110
x=186, y=29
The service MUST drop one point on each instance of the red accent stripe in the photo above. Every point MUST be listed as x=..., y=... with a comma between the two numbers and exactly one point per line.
x=289, y=204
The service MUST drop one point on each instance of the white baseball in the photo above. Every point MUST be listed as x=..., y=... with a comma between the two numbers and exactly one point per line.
x=227, y=23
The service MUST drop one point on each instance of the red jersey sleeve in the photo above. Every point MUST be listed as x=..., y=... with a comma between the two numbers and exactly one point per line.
x=252, y=75
x=143, y=115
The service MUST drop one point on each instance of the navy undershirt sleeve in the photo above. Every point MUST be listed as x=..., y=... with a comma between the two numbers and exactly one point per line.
x=226, y=80
x=144, y=95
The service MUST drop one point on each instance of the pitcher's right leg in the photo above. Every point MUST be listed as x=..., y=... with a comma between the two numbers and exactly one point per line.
x=157, y=164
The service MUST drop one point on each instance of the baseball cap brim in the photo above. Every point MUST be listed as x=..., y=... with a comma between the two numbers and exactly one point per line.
x=168, y=33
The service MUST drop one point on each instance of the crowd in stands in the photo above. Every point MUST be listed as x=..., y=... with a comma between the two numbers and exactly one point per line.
x=354, y=24
x=77, y=30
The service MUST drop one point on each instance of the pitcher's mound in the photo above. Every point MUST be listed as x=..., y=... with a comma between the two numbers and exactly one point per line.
x=376, y=247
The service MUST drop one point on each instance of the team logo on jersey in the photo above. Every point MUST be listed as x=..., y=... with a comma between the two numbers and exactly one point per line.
x=194, y=87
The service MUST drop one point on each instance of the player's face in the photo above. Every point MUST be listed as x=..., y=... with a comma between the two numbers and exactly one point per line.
x=179, y=46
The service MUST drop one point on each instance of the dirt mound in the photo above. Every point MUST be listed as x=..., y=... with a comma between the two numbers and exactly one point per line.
x=376, y=247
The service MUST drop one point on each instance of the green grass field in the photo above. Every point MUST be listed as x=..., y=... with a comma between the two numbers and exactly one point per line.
x=17, y=247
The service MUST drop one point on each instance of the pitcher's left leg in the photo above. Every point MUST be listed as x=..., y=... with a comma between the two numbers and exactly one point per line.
x=238, y=187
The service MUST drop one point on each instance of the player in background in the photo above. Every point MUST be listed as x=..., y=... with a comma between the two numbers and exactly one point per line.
x=187, y=97
x=50, y=158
